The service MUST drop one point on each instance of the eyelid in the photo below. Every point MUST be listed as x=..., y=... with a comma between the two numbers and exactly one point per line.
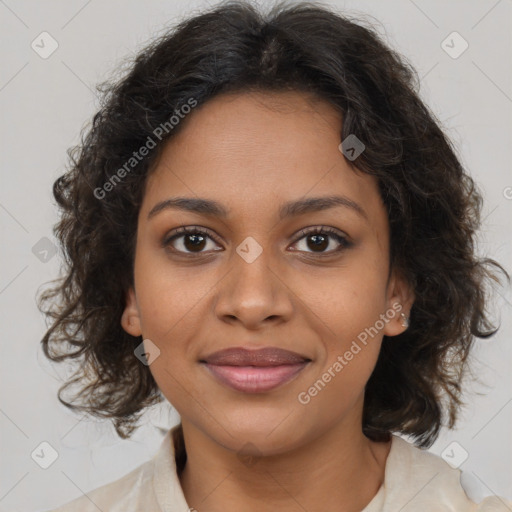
x=341, y=238
x=308, y=230
x=183, y=230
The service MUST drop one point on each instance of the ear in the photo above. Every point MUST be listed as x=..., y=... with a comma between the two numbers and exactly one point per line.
x=400, y=298
x=130, y=319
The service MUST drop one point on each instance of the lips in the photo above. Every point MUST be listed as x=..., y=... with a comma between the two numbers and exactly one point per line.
x=254, y=371
x=271, y=356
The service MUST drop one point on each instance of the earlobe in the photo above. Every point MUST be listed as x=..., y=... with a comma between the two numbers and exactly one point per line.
x=130, y=319
x=399, y=304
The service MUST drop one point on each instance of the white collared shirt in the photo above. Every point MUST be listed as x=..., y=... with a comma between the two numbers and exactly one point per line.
x=415, y=480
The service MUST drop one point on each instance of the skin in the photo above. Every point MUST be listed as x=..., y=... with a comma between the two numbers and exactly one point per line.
x=252, y=152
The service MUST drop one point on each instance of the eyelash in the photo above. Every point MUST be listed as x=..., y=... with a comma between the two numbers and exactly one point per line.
x=184, y=230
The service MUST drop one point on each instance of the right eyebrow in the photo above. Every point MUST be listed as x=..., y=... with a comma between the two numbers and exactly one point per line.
x=190, y=204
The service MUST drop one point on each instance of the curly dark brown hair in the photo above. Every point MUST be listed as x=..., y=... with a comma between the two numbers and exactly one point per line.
x=432, y=203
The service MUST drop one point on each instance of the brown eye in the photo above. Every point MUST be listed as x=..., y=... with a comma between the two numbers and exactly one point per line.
x=188, y=240
x=318, y=240
x=194, y=242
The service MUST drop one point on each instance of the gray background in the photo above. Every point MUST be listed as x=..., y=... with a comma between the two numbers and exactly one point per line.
x=45, y=102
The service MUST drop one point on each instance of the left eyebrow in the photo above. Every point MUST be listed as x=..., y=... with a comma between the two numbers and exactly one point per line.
x=289, y=209
x=316, y=204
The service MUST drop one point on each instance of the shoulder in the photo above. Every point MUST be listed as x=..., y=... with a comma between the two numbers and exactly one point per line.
x=152, y=486
x=130, y=493
x=416, y=479
x=494, y=504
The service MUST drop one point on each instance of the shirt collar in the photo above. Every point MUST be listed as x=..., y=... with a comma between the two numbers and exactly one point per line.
x=166, y=483
x=402, y=455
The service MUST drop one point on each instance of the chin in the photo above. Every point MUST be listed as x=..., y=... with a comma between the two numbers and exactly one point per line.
x=257, y=436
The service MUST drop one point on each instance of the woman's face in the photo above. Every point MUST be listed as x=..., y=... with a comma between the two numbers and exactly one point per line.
x=261, y=276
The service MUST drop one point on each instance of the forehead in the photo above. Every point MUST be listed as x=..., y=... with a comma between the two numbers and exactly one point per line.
x=255, y=151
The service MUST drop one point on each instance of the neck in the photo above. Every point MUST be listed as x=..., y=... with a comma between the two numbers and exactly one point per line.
x=341, y=471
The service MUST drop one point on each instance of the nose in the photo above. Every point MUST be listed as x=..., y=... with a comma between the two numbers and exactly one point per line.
x=254, y=294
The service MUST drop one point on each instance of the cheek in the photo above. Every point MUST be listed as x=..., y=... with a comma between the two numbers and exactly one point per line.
x=169, y=303
x=351, y=348
x=167, y=296
x=345, y=300
x=345, y=311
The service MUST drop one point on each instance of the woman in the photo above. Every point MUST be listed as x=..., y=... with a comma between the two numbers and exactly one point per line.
x=267, y=227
